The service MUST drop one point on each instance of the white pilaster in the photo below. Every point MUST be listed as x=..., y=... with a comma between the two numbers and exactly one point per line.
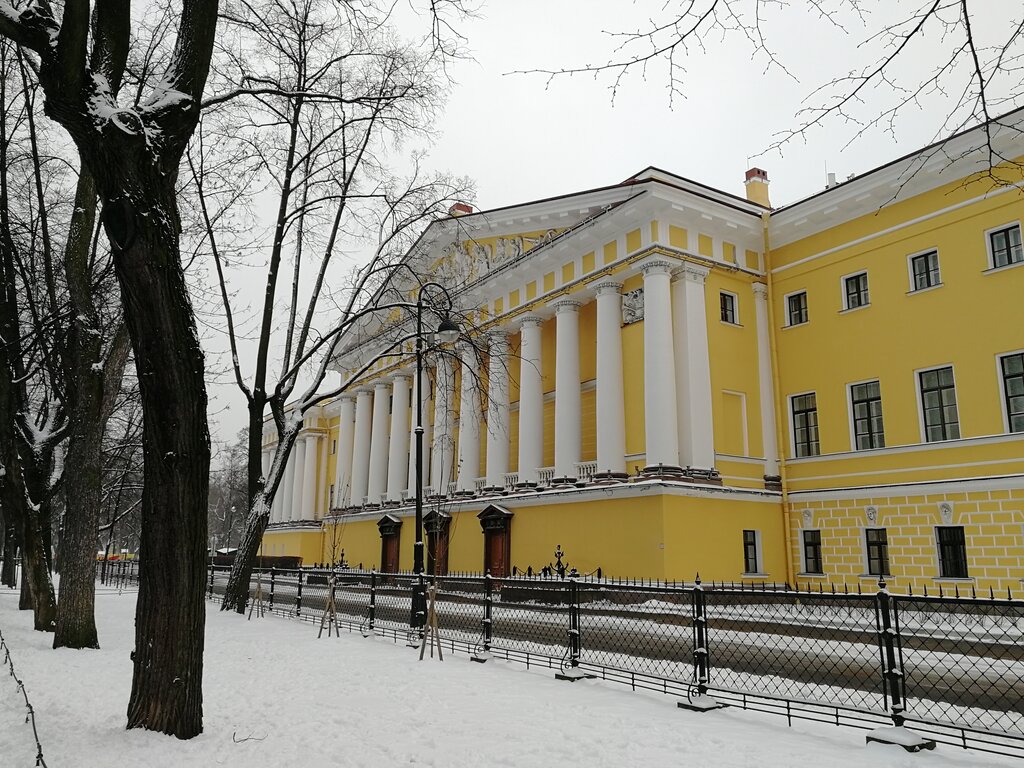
x=298, y=478
x=309, y=478
x=424, y=398
x=361, y=446
x=765, y=387
x=660, y=409
x=398, y=453
x=322, y=484
x=443, y=449
x=567, y=390
x=469, y=422
x=611, y=417
x=343, y=465
x=697, y=444
x=531, y=402
x=377, y=484
x=498, y=444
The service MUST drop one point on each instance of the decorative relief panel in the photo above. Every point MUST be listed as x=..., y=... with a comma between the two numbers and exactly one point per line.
x=633, y=306
x=871, y=513
x=946, y=512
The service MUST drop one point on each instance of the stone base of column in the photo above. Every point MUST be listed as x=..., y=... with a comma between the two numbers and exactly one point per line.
x=662, y=470
x=609, y=478
x=772, y=483
x=563, y=482
x=436, y=497
x=493, y=490
x=392, y=503
x=526, y=486
x=464, y=494
x=703, y=476
x=370, y=506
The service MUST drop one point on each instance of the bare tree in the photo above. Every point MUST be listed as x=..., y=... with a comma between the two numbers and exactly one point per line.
x=132, y=153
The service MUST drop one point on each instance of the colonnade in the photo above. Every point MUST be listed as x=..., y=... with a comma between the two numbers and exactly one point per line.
x=377, y=433
x=299, y=495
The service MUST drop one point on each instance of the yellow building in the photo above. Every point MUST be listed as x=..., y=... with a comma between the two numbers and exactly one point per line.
x=668, y=379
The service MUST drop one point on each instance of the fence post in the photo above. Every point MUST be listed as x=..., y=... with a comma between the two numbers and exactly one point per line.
x=212, y=567
x=894, y=689
x=573, y=673
x=700, y=701
x=270, y=599
x=484, y=653
x=298, y=596
x=371, y=610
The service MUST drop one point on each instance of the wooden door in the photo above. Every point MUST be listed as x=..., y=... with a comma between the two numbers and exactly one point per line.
x=496, y=553
x=389, y=554
x=437, y=552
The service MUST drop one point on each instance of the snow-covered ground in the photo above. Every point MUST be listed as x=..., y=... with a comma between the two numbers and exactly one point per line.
x=275, y=695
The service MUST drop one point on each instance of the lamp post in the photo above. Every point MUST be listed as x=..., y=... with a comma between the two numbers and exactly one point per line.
x=447, y=332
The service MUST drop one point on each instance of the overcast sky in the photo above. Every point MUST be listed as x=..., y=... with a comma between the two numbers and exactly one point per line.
x=525, y=136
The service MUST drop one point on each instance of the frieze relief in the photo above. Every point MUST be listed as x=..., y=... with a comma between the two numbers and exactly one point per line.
x=633, y=306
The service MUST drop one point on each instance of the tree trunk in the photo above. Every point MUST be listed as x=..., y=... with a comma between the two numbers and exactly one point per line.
x=35, y=571
x=236, y=593
x=141, y=221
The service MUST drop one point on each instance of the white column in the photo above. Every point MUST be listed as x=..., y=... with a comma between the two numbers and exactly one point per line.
x=443, y=449
x=308, y=509
x=398, y=453
x=377, y=485
x=361, y=446
x=660, y=411
x=567, y=391
x=531, y=402
x=424, y=399
x=298, y=475
x=283, y=497
x=697, y=440
x=343, y=459
x=497, y=412
x=323, y=495
x=611, y=416
x=469, y=422
x=765, y=389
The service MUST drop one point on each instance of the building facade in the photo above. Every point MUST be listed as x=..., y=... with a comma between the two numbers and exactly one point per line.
x=666, y=379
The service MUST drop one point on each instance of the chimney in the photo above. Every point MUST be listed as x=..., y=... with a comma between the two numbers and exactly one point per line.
x=830, y=180
x=756, y=183
x=459, y=209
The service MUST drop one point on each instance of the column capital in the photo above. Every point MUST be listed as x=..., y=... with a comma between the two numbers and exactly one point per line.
x=382, y=384
x=656, y=266
x=399, y=376
x=760, y=290
x=566, y=305
x=692, y=273
x=608, y=287
x=534, y=321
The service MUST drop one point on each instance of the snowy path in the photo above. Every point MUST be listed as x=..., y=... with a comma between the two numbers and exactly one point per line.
x=349, y=701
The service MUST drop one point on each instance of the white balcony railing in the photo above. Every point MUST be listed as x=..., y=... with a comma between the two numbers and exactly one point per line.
x=545, y=475
x=585, y=471
x=511, y=480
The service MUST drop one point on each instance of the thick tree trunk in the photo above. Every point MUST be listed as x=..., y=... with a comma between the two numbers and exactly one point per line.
x=8, y=572
x=35, y=571
x=236, y=593
x=141, y=221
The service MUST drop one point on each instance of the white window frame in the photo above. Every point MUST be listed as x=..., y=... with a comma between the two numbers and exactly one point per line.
x=910, y=270
x=759, y=554
x=849, y=414
x=920, y=402
x=785, y=308
x=735, y=307
x=988, y=246
x=842, y=288
x=1002, y=389
x=803, y=554
x=792, y=426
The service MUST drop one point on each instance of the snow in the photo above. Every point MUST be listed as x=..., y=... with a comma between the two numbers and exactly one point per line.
x=276, y=695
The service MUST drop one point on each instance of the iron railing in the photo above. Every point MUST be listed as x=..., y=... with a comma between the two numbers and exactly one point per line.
x=950, y=667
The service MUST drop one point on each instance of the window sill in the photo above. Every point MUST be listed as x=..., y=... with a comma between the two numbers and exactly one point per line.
x=731, y=325
x=924, y=290
x=954, y=579
x=795, y=325
x=990, y=270
x=812, y=576
x=875, y=577
x=754, y=575
x=848, y=310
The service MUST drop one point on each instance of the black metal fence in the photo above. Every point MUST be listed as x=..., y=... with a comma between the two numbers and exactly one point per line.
x=952, y=667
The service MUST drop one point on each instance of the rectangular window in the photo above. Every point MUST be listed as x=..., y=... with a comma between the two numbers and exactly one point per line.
x=877, y=541
x=330, y=500
x=866, y=402
x=938, y=401
x=728, y=305
x=812, y=552
x=856, y=290
x=952, y=551
x=1006, y=246
x=924, y=270
x=796, y=308
x=805, y=425
x=1013, y=388
x=334, y=447
x=750, y=564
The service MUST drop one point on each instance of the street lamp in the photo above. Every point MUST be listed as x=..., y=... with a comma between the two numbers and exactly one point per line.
x=447, y=332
